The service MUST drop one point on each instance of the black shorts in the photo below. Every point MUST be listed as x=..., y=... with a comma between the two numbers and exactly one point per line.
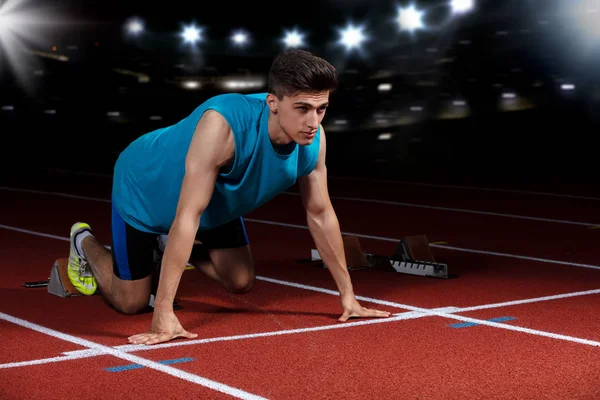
x=135, y=253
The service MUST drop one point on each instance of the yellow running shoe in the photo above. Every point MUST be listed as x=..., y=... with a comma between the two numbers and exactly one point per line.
x=79, y=271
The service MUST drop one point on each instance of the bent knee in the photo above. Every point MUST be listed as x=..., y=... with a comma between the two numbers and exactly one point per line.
x=130, y=297
x=131, y=308
x=241, y=285
x=132, y=305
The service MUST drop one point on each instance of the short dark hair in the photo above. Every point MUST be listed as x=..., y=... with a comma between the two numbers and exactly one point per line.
x=296, y=70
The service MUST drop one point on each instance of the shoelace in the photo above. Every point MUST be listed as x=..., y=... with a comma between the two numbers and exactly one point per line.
x=84, y=270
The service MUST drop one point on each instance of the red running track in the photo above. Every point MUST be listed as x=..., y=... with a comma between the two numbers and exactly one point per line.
x=413, y=358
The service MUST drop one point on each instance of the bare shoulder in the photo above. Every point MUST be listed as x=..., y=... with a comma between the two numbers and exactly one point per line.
x=213, y=139
x=214, y=117
x=322, y=143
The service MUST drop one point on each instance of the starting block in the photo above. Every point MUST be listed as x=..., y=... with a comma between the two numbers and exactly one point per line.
x=59, y=283
x=413, y=256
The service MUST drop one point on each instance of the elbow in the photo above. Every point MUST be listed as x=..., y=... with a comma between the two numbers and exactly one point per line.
x=319, y=216
x=190, y=213
x=187, y=221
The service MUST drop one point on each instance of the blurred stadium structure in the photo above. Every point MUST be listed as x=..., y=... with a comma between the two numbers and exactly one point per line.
x=436, y=90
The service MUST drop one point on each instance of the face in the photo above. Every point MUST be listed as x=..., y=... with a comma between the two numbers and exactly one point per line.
x=300, y=116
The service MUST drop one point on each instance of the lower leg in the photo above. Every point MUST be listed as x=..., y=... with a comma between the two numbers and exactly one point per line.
x=100, y=260
x=128, y=297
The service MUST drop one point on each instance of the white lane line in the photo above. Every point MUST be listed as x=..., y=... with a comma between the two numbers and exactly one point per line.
x=391, y=304
x=431, y=312
x=528, y=301
x=441, y=246
x=374, y=201
x=415, y=309
x=381, y=238
x=416, y=312
x=462, y=210
x=29, y=232
x=409, y=183
x=71, y=355
x=537, y=259
x=399, y=316
x=77, y=354
x=220, y=387
x=475, y=188
x=132, y=347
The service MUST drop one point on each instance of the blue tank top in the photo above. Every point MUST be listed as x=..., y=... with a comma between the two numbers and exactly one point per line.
x=148, y=174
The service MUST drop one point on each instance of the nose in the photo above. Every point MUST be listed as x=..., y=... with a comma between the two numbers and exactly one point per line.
x=313, y=121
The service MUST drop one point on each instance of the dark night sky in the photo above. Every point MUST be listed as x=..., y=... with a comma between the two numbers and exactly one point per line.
x=103, y=18
x=83, y=22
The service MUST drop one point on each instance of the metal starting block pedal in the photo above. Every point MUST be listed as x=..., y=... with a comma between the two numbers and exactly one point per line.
x=355, y=257
x=59, y=283
x=422, y=268
x=413, y=256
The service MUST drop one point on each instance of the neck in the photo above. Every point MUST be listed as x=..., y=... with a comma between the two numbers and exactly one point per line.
x=277, y=135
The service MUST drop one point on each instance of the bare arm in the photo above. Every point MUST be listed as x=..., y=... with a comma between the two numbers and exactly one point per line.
x=211, y=147
x=323, y=223
x=325, y=230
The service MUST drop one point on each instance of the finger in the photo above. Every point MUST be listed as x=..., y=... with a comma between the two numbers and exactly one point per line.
x=375, y=313
x=148, y=339
x=139, y=339
x=382, y=314
x=145, y=334
x=348, y=315
x=344, y=317
x=158, y=339
x=135, y=338
x=186, y=334
x=379, y=313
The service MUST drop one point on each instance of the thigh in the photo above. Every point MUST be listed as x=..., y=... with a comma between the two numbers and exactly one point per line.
x=233, y=265
x=134, y=252
x=228, y=248
x=231, y=235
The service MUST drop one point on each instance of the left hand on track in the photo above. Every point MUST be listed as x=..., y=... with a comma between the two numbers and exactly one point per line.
x=352, y=309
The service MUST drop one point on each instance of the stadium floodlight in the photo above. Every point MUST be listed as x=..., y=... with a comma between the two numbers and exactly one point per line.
x=22, y=34
x=293, y=38
x=589, y=17
x=409, y=18
x=134, y=26
x=352, y=36
x=191, y=34
x=461, y=6
x=240, y=38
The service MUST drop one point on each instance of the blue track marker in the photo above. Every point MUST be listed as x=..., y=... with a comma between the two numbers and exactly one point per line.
x=469, y=324
x=136, y=366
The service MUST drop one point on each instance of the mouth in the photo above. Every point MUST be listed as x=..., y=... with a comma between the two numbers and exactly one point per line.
x=309, y=134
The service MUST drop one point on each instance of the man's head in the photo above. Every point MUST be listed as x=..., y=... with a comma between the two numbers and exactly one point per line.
x=299, y=85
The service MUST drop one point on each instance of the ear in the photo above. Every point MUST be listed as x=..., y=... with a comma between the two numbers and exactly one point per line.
x=272, y=102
